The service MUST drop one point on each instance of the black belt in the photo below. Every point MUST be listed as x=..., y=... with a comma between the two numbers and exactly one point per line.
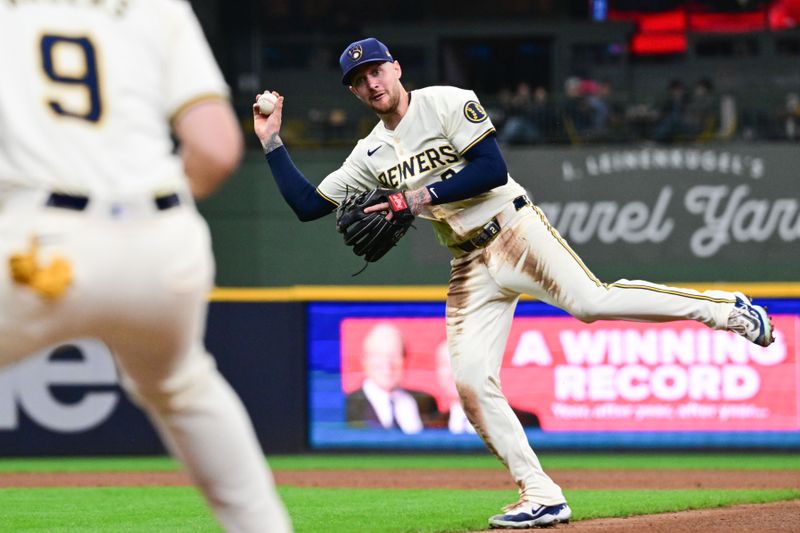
x=79, y=203
x=491, y=229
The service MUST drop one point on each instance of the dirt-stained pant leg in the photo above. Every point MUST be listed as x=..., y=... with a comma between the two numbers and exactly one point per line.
x=479, y=316
x=530, y=257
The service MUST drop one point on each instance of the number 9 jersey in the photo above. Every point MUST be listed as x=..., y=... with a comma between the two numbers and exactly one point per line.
x=81, y=74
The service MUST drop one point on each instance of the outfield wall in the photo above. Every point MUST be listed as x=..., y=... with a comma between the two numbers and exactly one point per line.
x=67, y=401
x=727, y=212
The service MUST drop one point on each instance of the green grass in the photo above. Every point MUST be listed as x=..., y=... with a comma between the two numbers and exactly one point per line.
x=316, y=510
x=327, y=510
x=129, y=509
x=482, y=461
x=464, y=510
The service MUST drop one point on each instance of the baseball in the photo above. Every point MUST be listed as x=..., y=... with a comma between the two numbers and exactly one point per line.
x=266, y=103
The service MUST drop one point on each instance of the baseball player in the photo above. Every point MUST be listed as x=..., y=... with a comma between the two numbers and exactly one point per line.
x=99, y=234
x=438, y=145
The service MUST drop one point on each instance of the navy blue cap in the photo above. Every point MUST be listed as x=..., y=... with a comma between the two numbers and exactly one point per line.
x=369, y=50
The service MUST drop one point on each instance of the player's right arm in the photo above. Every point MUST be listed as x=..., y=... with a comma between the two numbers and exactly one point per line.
x=211, y=144
x=298, y=192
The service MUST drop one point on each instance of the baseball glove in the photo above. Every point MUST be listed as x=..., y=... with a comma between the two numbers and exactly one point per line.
x=372, y=234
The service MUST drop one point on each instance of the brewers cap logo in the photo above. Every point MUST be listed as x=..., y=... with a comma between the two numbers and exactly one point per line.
x=355, y=53
x=474, y=111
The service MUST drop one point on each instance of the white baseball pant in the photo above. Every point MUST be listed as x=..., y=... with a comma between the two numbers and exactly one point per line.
x=530, y=257
x=141, y=279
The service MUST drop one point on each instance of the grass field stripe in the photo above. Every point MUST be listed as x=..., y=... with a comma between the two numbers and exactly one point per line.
x=332, y=510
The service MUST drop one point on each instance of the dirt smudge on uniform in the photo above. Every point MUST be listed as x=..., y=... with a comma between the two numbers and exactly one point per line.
x=515, y=249
x=469, y=400
x=458, y=293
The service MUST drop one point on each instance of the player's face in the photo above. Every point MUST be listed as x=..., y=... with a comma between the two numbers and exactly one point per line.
x=378, y=86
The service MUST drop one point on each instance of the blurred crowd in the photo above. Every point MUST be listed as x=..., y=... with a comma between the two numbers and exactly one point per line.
x=588, y=111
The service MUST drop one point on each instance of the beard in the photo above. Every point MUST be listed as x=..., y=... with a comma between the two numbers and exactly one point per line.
x=387, y=104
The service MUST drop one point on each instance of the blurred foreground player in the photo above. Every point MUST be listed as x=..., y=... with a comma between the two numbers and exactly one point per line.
x=99, y=235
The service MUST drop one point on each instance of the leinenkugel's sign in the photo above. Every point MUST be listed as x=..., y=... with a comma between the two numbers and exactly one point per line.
x=684, y=213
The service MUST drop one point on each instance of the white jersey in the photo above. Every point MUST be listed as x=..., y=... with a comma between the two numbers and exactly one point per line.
x=427, y=146
x=73, y=81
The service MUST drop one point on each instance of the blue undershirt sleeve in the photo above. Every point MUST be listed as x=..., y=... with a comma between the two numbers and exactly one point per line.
x=301, y=196
x=485, y=170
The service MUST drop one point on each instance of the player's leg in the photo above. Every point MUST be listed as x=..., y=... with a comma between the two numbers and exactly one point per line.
x=30, y=322
x=203, y=423
x=166, y=369
x=533, y=258
x=479, y=316
x=19, y=337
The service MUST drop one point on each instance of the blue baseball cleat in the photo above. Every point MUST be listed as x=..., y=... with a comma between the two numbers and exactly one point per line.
x=526, y=515
x=750, y=321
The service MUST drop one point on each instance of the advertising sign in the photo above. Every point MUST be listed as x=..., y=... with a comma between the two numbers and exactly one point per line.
x=68, y=400
x=674, y=213
x=611, y=376
x=571, y=384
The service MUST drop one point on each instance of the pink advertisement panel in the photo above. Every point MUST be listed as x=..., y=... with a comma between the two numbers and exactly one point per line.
x=613, y=376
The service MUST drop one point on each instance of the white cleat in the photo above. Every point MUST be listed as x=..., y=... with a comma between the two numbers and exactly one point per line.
x=525, y=515
x=750, y=321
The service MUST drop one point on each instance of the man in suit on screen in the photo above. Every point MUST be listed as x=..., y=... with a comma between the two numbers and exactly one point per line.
x=381, y=402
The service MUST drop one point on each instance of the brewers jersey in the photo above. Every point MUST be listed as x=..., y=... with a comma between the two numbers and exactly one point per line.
x=428, y=145
x=101, y=77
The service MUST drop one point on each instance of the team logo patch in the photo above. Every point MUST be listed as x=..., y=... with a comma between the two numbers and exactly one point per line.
x=355, y=53
x=474, y=111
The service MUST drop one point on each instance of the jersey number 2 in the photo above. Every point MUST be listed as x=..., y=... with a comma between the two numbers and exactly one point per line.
x=72, y=62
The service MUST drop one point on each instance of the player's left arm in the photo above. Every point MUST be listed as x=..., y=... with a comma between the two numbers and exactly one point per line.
x=485, y=170
x=468, y=127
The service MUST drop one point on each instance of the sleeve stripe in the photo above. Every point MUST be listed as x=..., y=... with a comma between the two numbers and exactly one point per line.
x=334, y=202
x=476, y=141
x=192, y=101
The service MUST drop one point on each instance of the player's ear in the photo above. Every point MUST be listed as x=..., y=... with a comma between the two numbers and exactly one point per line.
x=398, y=69
x=355, y=93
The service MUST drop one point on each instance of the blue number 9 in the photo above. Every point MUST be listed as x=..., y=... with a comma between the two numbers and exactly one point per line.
x=58, y=71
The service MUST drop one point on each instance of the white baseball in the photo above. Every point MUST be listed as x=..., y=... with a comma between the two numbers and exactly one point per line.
x=266, y=103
